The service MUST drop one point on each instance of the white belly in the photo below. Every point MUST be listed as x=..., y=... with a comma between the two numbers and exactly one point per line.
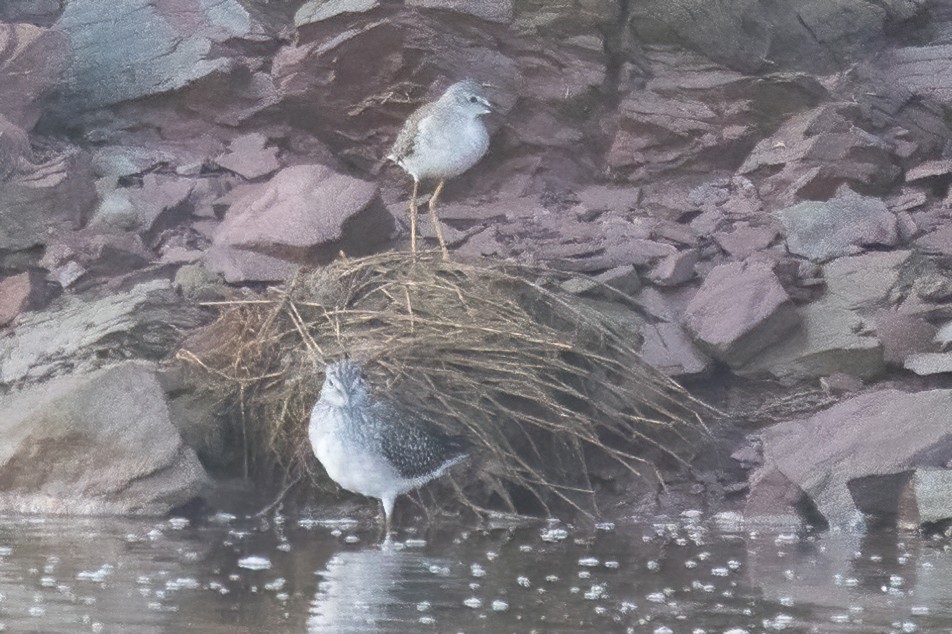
x=447, y=152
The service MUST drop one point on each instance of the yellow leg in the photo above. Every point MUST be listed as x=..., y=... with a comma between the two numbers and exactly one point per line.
x=413, y=216
x=437, y=227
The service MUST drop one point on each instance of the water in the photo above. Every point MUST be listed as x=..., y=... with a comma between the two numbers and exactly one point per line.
x=684, y=574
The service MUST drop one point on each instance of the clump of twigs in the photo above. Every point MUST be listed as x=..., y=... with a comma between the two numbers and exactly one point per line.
x=542, y=383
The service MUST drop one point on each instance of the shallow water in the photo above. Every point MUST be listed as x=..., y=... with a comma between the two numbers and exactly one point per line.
x=684, y=574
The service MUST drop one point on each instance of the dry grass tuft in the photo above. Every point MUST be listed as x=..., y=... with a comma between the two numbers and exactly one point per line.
x=539, y=380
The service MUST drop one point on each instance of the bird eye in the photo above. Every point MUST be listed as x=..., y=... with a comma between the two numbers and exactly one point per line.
x=473, y=100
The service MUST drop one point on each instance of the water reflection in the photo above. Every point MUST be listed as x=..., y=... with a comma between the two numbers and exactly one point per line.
x=380, y=590
x=683, y=574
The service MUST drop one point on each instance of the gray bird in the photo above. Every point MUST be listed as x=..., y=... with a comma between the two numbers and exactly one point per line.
x=368, y=446
x=441, y=140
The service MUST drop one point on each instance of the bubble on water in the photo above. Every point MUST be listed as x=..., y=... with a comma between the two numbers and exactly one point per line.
x=523, y=581
x=473, y=602
x=525, y=548
x=47, y=582
x=597, y=591
x=789, y=575
x=874, y=558
x=96, y=627
x=275, y=585
x=720, y=572
x=179, y=523
x=491, y=555
x=779, y=622
x=627, y=606
x=37, y=611
x=584, y=574
x=733, y=564
x=605, y=526
x=336, y=532
x=477, y=571
x=222, y=518
x=663, y=629
x=704, y=555
x=690, y=563
x=786, y=601
x=182, y=583
x=611, y=563
x=499, y=605
x=840, y=618
x=95, y=575
x=474, y=586
x=736, y=630
x=785, y=538
x=5, y=551
x=284, y=547
x=423, y=606
x=351, y=539
x=254, y=562
x=415, y=542
x=653, y=565
x=895, y=580
x=552, y=578
x=919, y=610
x=588, y=562
x=440, y=571
x=656, y=597
x=427, y=620
x=907, y=626
x=553, y=534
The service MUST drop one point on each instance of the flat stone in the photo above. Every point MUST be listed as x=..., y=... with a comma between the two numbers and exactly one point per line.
x=939, y=241
x=929, y=169
x=840, y=226
x=864, y=281
x=740, y=310
x=675, y=269
x=248, y=157
x=669, y=349
x=831, y=339
x=31, y=60
x=95, y=444
x=744, y=240
x=932, y=491
x=903, y=335
x=20, y=293
x=494, y=10
x=873, y=434
x=319, y=10
x=927, y=363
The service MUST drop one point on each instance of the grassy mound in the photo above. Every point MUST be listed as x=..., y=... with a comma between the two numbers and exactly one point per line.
x=544, y=384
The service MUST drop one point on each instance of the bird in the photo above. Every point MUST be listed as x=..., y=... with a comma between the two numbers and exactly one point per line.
x=367, y=445
x=440, y=140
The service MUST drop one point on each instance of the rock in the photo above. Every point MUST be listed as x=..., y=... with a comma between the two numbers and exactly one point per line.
x=31, y=60
x=814, y=153
x=930, y=496
x=198, y=284
x=903, y=335
x=52, y=199
x=878, y=433
x=840, y=226
x=495, y=10
x=146, y=47
x=840, y=383
x=944, y=336
x=78, y=334
x=318, y=10
x=864, y=281
x=938, y=242
x=929, y=169
x=772, y=495
x=20, y=293
x=744, y=240
x=248, y=157
x=926, y=363
x=303, y=212
x=94, y=252
x=94, y=444
x=668, y=348
x=831, y=339
x=933, y=286
x=739, y=310
x=15, y=150
x=925, y=71
x=675, y=269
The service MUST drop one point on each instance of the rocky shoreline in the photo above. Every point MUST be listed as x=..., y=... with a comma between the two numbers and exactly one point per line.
x=771, y=185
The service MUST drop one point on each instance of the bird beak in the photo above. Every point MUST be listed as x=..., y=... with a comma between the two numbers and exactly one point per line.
x=490, y=106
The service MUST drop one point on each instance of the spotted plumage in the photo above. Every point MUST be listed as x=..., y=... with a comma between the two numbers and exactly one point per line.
x=369, y=446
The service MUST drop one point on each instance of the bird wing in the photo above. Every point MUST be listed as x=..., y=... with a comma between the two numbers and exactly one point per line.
x=405, y=142
x=415, y=448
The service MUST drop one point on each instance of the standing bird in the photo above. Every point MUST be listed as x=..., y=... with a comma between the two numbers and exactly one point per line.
x=369, y=447
x=441, y=140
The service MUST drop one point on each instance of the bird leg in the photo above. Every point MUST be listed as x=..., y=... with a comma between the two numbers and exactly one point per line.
x=437, y=227
x=387, y=512
x=413, y=215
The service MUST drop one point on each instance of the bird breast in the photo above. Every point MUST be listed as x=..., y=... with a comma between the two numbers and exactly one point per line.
x=447, y=146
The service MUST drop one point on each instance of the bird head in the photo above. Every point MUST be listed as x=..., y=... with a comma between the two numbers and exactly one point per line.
x=470, y=97
x=343, y=383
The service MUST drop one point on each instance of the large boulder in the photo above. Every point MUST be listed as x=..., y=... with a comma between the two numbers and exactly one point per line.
x=876, y=434
x=304, y=212
x=94, y=444
x=31, y=60
x=80, y=334
x=134, y=49
x=740, y=310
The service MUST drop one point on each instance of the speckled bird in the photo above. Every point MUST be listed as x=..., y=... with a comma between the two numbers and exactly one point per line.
x=440, y=140
x=368, y=446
